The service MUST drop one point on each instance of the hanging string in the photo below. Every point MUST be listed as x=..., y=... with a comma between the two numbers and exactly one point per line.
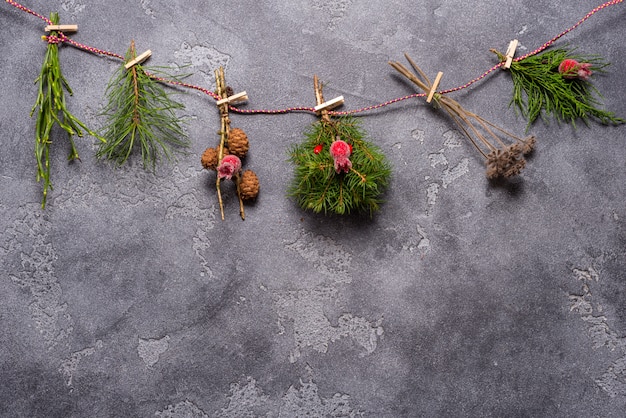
x=27, y=10
x=61, y=37
x=568, y=30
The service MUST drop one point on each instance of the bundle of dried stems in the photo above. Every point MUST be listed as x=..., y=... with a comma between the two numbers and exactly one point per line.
x=503, y=159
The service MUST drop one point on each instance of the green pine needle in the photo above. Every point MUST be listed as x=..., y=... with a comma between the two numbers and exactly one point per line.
x=539, y=90
x=140, y=114
x=317, y=187
x=51, y=110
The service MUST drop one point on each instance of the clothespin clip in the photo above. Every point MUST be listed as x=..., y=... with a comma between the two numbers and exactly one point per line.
x=433, y=89
x=510, y=53
x=138, y=60
x=235, y=98
x=329, y=105
x=62, y=28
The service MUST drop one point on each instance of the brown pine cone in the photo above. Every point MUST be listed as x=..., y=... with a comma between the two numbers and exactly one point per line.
x=238, y=142
x=249, y=186
x=209, y=158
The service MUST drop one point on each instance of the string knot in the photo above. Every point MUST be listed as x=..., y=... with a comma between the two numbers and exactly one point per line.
x=54, y=39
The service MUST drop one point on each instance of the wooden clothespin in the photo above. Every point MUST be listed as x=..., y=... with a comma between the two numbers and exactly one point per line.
x=510, y=53
x=329, y=105
x=433, y=88
x=138, y=60
x=235, y=98
x=62, y=28
x=324, y=106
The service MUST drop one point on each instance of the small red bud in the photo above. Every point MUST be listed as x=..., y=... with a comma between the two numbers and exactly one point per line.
x=318, y=148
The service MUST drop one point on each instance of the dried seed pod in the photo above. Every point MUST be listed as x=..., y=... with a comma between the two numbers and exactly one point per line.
x=238, y=143
x=210, y=156
x=249, y=186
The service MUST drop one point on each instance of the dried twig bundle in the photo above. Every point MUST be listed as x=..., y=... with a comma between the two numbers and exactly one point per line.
x=503, y=151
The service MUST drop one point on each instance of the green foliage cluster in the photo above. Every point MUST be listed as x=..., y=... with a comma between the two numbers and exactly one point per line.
x=540, y=90
x=317, y=187
x=140, y=114
x=52, y=110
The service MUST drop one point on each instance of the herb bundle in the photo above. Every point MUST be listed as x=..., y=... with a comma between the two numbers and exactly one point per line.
x=316, y=184
x=503, y=159
x=226, y=158
x=543, y=86
x=140, y=114
x=52, y=110
x=324, y=183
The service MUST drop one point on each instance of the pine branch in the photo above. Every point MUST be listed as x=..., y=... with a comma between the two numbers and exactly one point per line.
x=51, y=110
x=318, y=187
x=540, y=90
x=140, y=114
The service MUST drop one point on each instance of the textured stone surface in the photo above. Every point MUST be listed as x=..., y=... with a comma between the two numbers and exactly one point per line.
x=128, y=296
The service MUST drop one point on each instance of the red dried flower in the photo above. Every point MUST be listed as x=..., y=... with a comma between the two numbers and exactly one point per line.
x=340, y=151
x=230, y=165
x=340, y=148
x=571, y=69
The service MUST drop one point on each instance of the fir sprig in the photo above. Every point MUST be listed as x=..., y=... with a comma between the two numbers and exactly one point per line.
x=318, y=187
x=540, y=90
x=140, y=114
x=52, y=110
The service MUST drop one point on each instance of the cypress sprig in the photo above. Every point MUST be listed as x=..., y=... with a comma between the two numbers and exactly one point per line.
x=140, y=114
x=318, y=187
x=539, y=90
x=52, y=110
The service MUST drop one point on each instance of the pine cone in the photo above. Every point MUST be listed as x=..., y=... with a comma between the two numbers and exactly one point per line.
x=238, y=142
x=209, y=158
x=249, y=186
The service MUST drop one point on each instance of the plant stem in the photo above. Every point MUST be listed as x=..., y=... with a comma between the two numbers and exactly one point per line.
x=219, y=82
x=319, y=98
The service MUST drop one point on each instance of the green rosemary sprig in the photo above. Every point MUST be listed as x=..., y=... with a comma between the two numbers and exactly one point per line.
x=318, y=187
x=51, y=109
x=140, y=114
x=539, y=89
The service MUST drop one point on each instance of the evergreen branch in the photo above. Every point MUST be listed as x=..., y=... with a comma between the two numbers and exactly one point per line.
x=51, y=109
x=140, y=114
x=317, y=187
x=540, y=90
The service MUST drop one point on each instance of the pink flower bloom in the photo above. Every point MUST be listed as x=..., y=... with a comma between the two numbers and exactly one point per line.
x=571, y=69
x=230, y=165
x=340, y=151
x=342, y=164
x=340, y=148
x=584, y=71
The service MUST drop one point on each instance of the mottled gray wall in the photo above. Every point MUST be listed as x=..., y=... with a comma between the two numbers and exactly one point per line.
x=128, y=296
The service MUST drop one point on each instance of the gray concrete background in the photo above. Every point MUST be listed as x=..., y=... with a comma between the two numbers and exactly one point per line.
x=127, y=296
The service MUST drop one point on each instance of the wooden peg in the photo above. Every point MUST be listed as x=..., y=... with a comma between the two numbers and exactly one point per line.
x=433, y=89
x=329, y=105
x=235, y=98
x=138, y=60
x=510, y=53
x=62, y=28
